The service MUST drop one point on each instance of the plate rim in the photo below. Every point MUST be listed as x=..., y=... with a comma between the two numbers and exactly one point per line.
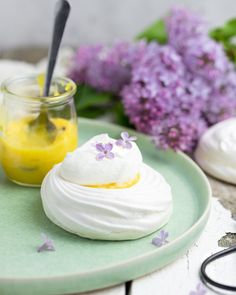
x=201, y=219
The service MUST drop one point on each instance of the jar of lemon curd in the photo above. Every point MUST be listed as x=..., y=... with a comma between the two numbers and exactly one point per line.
x=37, y=132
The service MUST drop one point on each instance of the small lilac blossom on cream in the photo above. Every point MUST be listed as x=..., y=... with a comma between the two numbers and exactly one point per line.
x=161, y=239
x=105, y=151
x=126, y=140
x=200, y=290
x=47, y=244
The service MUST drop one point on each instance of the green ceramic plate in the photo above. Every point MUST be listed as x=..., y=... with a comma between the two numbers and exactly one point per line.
x=80, y=264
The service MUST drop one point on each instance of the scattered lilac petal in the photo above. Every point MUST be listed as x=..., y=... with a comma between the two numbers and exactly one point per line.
x=126, y=140
x=119, y=142
x=108, y=147
x=133, y=138
x=100, y=156
x=110, y=155
x=157, y=242
x=128, y=145
x=161, y=239
x=47, y=244
x=125, y=135
x=164, y=235
x=104, y=151
x=100, y=147
x=200, y=290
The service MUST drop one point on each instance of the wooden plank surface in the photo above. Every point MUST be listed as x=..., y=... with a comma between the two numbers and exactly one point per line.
x=183, y=274
x=226, y=193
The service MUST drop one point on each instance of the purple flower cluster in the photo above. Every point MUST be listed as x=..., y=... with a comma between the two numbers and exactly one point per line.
x=165, y=100
x=178, y=133
x=105, y=68
x=205, y=59
x=172, y=92
x=177, y=90
x=181, y=25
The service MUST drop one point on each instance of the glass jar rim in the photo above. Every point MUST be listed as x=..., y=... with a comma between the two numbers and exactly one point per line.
x=5, y=88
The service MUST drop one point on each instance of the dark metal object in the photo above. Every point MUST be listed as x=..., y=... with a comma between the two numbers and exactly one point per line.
x=62, y=13
x=42, y=121
x=206, y=279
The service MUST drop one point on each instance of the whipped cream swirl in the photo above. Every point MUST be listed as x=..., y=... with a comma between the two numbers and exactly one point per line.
x=109, y=214
x=81, y=166
x=100, y=213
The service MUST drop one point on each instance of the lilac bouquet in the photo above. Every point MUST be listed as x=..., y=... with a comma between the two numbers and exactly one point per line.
x=171, y=91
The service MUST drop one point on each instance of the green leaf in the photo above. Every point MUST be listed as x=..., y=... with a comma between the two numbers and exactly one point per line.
x=92, y=112
x=226, y=35
x=227, y=31
x=91, y=103
x=155, y=32
x=88, y=97
x=120, y=115
x=230, y=50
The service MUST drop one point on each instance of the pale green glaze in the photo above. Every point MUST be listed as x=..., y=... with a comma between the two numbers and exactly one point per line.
x=80, y=264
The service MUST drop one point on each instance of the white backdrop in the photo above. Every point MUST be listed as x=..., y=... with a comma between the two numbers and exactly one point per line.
x=28, y=22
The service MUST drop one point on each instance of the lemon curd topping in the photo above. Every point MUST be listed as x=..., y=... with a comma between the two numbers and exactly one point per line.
x=28, y=156
x=117, y=185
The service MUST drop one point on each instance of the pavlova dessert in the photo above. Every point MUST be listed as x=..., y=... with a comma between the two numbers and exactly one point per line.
x=216, y=151
x=103, y=190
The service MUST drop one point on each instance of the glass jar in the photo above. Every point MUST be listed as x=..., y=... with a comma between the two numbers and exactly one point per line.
x=36, y=132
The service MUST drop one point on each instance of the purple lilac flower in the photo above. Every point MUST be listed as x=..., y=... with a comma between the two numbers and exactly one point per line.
x=178, y=133
x=158, y=63
x=221, y=104
x=172, y=92
x=104, y=151
x=227, y=84
x=202, y=55
x=182, y=25
x=164, y=98
x=106, y=68
x=47, y=244
x=82, y=58
x=197, y=87
x=161, y=239
x=156, y=83
x=206, y=58
x=220, y=108
x=142, y=108
x=200, y=290
x=126, y=140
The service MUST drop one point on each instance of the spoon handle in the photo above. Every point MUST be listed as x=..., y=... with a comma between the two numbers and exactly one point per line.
x=61, y=15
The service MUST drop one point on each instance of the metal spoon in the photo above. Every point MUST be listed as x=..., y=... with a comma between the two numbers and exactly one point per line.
x=42, y=122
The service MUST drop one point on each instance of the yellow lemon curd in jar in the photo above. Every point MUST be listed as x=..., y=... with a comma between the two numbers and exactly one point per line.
x=27, y=156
